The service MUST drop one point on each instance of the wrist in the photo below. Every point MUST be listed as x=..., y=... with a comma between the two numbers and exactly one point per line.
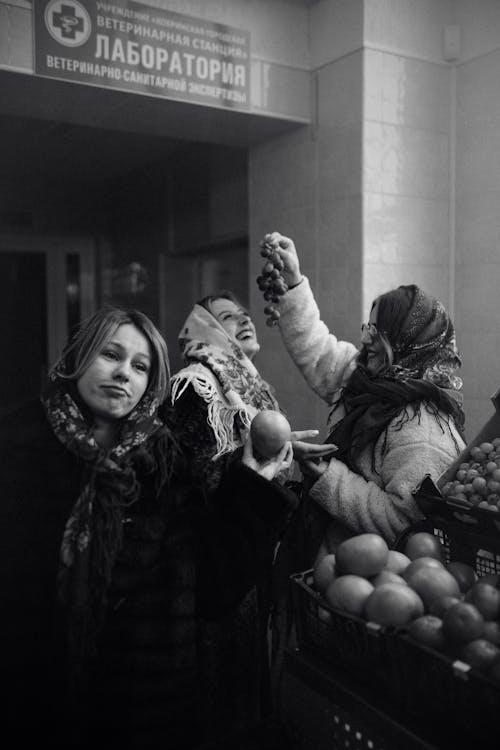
x=295, y=281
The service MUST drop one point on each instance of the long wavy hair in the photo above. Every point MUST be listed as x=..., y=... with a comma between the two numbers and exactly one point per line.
x=94, y=332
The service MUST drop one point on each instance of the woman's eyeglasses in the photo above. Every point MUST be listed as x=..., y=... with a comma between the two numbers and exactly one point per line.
x=369, y=328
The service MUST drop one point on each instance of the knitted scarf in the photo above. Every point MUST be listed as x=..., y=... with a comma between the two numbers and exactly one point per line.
x=223, y=376
x=423, y=340
x=93, y=534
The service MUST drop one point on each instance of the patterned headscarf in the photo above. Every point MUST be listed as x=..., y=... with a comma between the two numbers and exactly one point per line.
x=223, y=376
x=422, y=338
x=93, y=532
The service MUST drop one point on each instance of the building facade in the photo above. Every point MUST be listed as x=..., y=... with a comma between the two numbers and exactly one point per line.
x=365, y=129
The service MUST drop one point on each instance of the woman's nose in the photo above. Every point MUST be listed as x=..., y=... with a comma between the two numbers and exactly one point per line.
x=122, y=370
x=366, y=337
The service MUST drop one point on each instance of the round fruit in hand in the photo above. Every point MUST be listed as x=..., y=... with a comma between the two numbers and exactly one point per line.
x=270, y=430
x=423, y=544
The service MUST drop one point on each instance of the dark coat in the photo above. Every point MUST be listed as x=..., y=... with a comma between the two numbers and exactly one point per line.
x=183, y=562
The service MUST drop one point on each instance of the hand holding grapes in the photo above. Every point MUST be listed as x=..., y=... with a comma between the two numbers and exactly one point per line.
x=281, y=270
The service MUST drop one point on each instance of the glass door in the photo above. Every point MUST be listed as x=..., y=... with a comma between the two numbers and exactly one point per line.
x=47, y=285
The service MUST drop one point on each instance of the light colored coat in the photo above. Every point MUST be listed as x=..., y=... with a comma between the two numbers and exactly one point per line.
x=379, y=499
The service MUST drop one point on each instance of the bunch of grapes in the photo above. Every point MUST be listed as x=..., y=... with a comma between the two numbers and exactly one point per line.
x=271, y=282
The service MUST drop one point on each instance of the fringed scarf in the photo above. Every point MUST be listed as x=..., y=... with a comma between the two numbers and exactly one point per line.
x=223, y=376
x=426, y=357
x=93, y=534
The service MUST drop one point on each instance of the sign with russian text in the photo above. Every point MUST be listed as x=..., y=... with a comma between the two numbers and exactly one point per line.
x=134, y=47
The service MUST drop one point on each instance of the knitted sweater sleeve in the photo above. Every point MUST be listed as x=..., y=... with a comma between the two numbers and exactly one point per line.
x=325, y=362
x=382, y=503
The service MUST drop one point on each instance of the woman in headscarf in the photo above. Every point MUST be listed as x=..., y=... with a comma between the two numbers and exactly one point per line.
x=219, y=391
x=396, y=404
x=215, y=397
x=108, y=561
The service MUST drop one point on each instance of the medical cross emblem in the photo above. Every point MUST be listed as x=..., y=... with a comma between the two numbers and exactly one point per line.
x=67, y=21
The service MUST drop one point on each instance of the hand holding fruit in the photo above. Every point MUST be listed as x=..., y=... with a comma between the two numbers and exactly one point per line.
x=268, y=468
x=285, y=248
x=278, y=267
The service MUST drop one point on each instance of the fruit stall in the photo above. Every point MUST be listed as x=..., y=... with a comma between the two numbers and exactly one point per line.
x=400, y=648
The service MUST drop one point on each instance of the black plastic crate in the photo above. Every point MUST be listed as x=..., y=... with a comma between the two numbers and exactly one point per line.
x=323, y=709
x=342, y=640
x=471, y=535
x=442, y=691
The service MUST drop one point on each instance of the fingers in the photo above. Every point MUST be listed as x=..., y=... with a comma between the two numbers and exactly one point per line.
x=304, y=434
x=275, y=238
x=288, y=457
x=311, y=450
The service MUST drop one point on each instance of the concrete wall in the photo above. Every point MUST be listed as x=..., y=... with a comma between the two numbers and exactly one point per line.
x=308, y=186
x=478, y=203
x=406, y=156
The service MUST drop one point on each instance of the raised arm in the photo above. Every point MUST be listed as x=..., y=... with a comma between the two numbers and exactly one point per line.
x=325, y=362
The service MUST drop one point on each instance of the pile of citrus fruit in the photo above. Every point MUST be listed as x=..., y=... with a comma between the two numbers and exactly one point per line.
x=477, y=480
x=444, y=606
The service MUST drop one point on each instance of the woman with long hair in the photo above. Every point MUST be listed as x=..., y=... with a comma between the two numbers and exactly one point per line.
x=108, y=560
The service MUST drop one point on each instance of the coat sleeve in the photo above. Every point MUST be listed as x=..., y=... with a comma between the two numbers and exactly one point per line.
x=189, y=418
x=238, y=538
x=386, y=506
x=325, y=362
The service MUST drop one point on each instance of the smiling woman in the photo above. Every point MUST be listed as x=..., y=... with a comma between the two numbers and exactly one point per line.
x=395, y=403
x=220, y=390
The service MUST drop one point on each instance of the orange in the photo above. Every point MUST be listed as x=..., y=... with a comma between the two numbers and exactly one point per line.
x=349, y=593
x=462, y=623
x=421, y=562
x=392, y=604
x=269, y=431
x=324, y=572
x=491, y=632
x=439, y=606
x=423, y=544
x=486, y=598
x=397, y=561
x=464, y=574
x=428, y=629
x=432, y=584
x=387, y=576
x=492, y=578
x=480, y=654
x=363, y=555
